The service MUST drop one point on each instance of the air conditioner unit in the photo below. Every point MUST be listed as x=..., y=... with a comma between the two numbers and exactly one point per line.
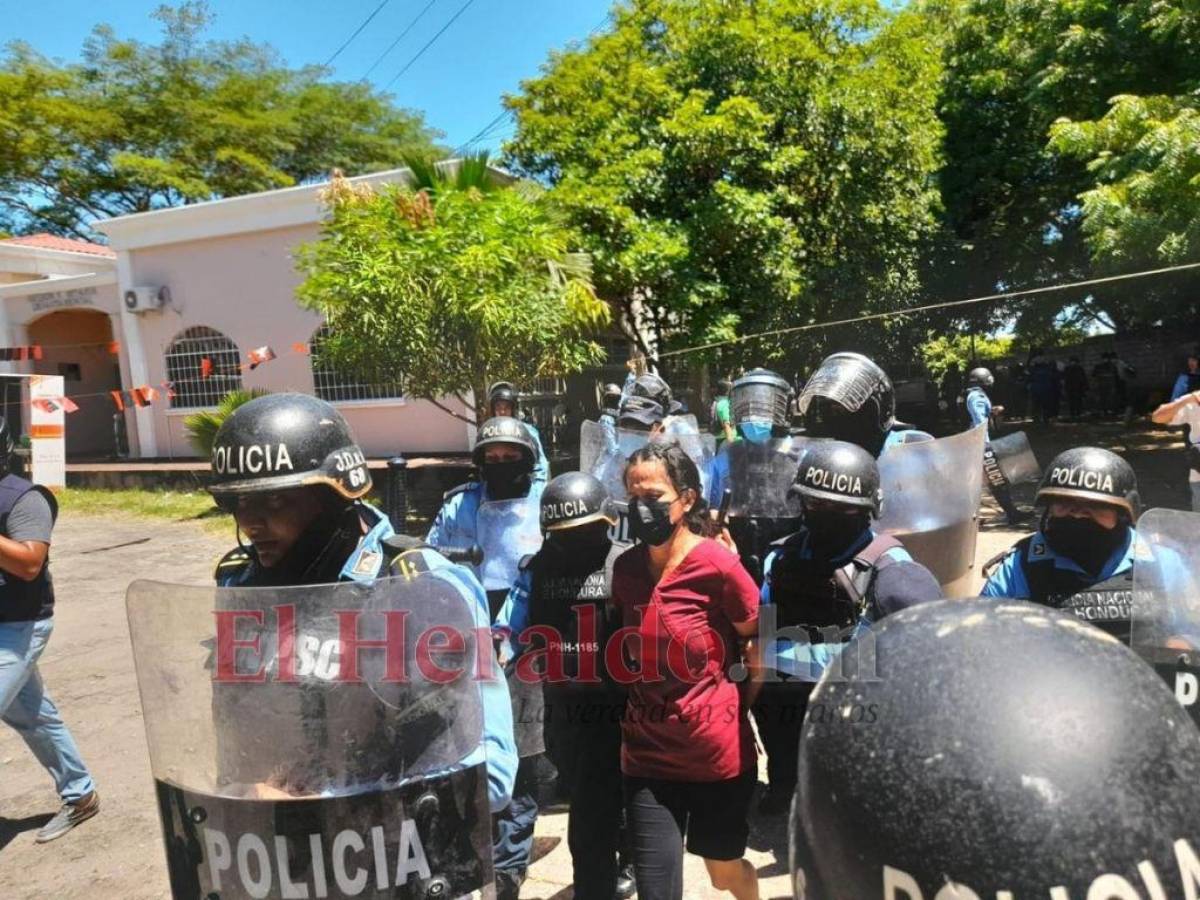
x=145, y=299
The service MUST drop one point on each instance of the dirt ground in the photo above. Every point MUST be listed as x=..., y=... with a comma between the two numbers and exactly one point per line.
x=89, y=672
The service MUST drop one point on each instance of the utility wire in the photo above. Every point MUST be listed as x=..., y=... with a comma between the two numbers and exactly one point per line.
x=408, y=65
x=402, y=36
x=947, y=305
x=357, y=32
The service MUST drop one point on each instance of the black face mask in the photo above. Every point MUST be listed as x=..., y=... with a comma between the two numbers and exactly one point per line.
x=581, y=541
x=861, y=428
x=507, y=480
x=1083, y=541
x=831, y=534
x=319, y=554
x=650, y=521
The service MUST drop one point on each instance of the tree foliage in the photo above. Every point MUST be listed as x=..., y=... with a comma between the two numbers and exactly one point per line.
x=134, y=127
x=450, y=289
x=741, y=166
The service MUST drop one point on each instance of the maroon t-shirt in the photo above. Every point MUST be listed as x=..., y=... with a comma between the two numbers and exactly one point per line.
x=684, y=720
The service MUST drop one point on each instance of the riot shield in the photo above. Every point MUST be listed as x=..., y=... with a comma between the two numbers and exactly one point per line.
x=1015, y=458
x=604, y=451
x=313, y=741
x=1166, y=601
x=760, y=476
x=931, y=494
x=507, y=531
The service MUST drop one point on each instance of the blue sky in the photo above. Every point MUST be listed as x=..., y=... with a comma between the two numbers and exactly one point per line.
x=457, y=83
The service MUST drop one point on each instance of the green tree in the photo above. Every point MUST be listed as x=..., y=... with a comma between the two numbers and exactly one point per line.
x=134, y=127
x=1029, y=202
x=733, y=167
x=451, y=290
x=202, y=427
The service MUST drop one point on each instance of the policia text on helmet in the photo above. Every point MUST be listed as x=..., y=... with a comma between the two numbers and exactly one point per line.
x=505, y=454
x=288, y=469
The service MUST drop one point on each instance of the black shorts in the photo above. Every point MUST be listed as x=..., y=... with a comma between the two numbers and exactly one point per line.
x=711, y=816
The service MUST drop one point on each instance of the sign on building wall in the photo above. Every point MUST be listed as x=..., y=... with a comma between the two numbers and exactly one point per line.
x=47, y=431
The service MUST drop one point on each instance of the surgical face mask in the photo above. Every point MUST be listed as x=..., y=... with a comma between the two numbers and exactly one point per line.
x=1083, y=540
x=650, y=521
x=506, y=480
x=756, y=432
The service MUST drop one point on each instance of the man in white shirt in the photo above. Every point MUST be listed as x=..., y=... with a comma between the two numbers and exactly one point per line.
x=1186, y=411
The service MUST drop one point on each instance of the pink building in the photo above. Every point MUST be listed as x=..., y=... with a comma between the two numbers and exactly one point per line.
x=181, y=296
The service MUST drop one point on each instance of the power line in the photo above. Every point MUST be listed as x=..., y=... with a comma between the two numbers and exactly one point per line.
x=947, y=305
x=403, y=34
x=408, y=65
x=357, y=32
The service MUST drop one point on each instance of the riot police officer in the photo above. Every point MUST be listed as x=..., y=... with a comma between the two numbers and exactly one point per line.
x=827, y=582
x=850, y=398
x=1081, y=557
x=935, y=768
x=980, y=411
x=758, y=467
x=564, y=595
x=610, y=405
x=289, y=470
x=498, y=512
x=505, y=400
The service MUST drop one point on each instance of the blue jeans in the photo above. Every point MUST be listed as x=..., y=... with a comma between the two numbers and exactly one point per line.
x=25, y=706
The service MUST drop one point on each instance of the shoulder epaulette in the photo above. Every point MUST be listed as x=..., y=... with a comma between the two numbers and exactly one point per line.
x=232, y=562
x=526, y=561
x=1019, y=547
x=459, y=489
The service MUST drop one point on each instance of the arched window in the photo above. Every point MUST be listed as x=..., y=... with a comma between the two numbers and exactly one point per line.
x=335, y=387
x=203, y=366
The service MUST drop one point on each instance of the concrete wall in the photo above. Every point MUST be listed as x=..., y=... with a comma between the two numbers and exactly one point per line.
x=243, y=286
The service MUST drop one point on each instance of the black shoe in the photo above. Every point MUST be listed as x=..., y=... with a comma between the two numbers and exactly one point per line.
x=775, y=801
x=626, y=883
x=508, y=884
x=69, y=816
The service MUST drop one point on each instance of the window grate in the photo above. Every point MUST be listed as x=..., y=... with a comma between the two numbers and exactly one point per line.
x=186, y=369
x=334, y=387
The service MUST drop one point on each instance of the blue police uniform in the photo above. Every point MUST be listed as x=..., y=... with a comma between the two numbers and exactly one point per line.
x=370, y=561
x=979, y=408
x=900, y=434
x=541, y=466
x=1186, y=383
x=899, y=582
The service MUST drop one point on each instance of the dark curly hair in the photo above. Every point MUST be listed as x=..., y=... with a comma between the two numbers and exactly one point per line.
x=683, y=475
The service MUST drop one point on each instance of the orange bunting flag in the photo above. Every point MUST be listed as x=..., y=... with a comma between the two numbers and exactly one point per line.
x=259, y=356
x=118, y=399
x=147, y=394
x=69, y=405
x=300, y=348
x=46, y=406
x=114, y=347
x=36, y=351
x=169, y=389
x=206, y=367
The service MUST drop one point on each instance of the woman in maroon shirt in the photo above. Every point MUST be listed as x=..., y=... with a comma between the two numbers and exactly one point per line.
x=687, y=749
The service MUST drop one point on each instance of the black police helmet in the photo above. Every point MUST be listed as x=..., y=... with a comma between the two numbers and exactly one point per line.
x=284, y=441
x=504, y=430
x=503, y=390
x=1091, y=473
x=574, y=499
x=980, y=377
x=984, y=748
x=654, y=388
x=611, y=396
x=838, y=472
x=853, y=382
x=762, y=396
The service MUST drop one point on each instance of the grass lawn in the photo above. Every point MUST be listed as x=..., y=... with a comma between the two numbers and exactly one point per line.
x=176, y=506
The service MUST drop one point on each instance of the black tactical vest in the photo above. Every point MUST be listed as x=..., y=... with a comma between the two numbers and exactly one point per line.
x=24, y=601
x=1106, y=604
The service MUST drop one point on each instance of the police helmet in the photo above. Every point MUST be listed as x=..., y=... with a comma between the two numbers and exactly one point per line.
x=1091, y=473
x=283, y=441
x=933, y=767
x=640, y=414
x=574, y=499
x=980, y=377
x=761, y=396
x=839, y=472
x=503, y=390
x=611, y=397
x=654, y=388
x=853, y=382
x=504, y=430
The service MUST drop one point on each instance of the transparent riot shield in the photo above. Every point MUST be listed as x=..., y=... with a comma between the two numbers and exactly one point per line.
x=1166, y=601
x=1015, y=458
x=315, y=741
x=760, y=476
x=603, y=451
x=507, y=531
x=931, y=494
